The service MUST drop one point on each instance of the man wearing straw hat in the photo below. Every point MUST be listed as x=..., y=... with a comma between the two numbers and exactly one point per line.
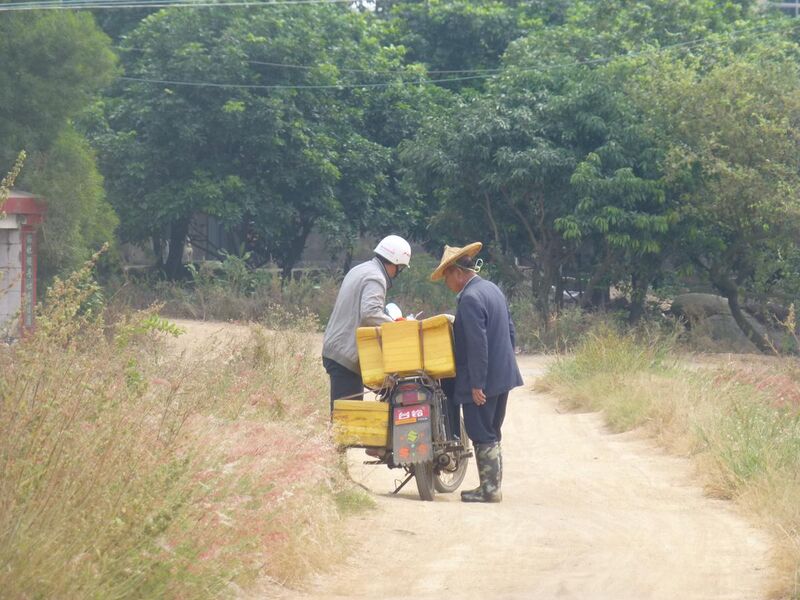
x=486, y=368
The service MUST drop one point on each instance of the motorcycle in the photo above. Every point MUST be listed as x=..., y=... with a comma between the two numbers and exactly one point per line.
x=427, y=437
x=412, y=426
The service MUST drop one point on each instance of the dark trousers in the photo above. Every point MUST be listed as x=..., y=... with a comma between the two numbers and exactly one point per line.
x=452, y=407
x=344, y=382
x=483, y=423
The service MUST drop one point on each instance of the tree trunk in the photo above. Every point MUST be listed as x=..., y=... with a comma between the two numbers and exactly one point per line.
x=348, y=260
x=594, y=294
x=730, y=291
x=559, y=299
x=639, y=285
x=294, y=252
x=173, y=267
x=156, y=241
x=736, y=310
x=542, y=285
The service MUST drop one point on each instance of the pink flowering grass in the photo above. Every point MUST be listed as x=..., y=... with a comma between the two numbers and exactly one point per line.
x=778, y=381
x=128, y=471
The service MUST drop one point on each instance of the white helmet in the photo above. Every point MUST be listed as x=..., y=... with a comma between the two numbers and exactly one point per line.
x=394, y=249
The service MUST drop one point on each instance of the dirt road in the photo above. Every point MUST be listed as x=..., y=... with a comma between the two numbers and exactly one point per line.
x=586, y=515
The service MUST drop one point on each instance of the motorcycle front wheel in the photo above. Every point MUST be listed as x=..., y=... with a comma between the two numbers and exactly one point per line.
x=425, y=477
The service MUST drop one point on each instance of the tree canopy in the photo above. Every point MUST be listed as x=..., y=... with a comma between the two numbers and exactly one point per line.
x=591, y=144
x=53, y=66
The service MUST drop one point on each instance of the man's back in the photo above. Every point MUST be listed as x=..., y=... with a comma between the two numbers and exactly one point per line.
x=360, y=303
x=484, y=338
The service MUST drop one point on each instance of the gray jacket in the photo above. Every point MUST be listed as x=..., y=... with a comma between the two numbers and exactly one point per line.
x=360, y=303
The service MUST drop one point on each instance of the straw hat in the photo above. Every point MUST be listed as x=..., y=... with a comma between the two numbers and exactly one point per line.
x=451, y=255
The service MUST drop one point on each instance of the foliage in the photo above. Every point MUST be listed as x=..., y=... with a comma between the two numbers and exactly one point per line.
x=131, y=469
x=731, y=165
x=54, y=63
x=567, y=171
x=8, y=181
x=277, y=161
x=78, y=219
x=53, y=66
x=449, y=37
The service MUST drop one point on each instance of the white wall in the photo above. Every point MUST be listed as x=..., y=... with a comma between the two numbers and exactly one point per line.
x=10, y=279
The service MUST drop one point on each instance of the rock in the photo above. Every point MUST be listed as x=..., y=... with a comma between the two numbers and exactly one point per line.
x=709, y=315
x=697, y=306
x=723, y=330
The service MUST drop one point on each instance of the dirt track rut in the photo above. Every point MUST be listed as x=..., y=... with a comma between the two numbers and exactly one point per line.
x=586, y=515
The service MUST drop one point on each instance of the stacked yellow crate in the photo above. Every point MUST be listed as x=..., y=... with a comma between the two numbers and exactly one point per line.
x=437, y=347
x=406, y=347
x=397, y=348
x=402, y=348
x=370, y=357
x=361, y=423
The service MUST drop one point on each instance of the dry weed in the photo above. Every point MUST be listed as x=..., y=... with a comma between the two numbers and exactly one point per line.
x=127, y=471
x=741, y=424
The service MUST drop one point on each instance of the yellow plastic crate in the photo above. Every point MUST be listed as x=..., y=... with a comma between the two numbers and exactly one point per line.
x=370, y=356
x=410, y=346
x=437, y=347
x=361, y=423
x=402, y=347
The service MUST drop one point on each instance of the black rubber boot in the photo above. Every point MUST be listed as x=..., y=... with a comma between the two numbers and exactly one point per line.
x=475, y=495
x=490, y=472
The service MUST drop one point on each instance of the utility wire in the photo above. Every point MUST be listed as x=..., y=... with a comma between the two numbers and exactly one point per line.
x=124, y=4
x=346, y=70
x=497, y=70
x=373, y=72
x=333, y=86
x=730, y=36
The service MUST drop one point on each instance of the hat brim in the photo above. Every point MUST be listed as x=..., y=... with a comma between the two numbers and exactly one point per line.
x=468, y=250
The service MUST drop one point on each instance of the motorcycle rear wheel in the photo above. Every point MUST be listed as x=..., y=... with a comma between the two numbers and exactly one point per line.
x=447, y=479
x=450, y=477
x=424, y=476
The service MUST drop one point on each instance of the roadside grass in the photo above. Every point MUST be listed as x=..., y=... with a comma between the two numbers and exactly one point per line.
x=127, y=471
x=740, y=422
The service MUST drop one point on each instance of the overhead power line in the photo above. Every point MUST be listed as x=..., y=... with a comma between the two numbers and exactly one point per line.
x=371, y=71
x=277, y=86
x=712, y=40
x=301, y=67
x=129, y=4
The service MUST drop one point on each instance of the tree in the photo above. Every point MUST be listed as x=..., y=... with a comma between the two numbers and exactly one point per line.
x=79, y=220
x=732, y=162
x=54, y=64
x=554, y=161
x=280, y=160
x=464, y=41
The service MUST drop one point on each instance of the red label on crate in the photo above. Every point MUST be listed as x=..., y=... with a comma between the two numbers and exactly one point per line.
x=411, y=414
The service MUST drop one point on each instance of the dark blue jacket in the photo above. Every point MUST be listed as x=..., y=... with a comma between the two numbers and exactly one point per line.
x=484, y=334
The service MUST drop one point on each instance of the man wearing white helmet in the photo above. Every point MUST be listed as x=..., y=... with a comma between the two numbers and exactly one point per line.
x=360, y=303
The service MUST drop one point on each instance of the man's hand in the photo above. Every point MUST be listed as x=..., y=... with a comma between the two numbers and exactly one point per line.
x=478, y=397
